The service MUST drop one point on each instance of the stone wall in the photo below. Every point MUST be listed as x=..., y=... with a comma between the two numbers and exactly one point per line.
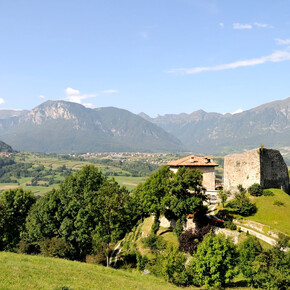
x=263, y=166
x=241, y=169
x=274, y=171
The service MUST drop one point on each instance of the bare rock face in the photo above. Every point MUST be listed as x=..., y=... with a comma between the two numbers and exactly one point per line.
x=263, y=166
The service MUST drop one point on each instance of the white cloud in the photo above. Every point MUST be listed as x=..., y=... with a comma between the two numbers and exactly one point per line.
x=70, y=91
x=242, y=26
x=42, y=97
x=283, y=41
x=263, y=25
x=109, y=91
x=89, y=105
x=76, y=97
x=276, y=56
x=2, y=101
x=237, y=111
x=221, y=24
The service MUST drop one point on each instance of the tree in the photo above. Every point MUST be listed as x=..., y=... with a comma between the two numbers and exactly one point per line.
x=271, y=267
x=174, y=195
x=14, y=207
x=81, y=209
x=113, y=218
x=185, y=197
x=153, y=192
x=214, y=263
x=242, y=204
x=223, y=196
x=249, y=249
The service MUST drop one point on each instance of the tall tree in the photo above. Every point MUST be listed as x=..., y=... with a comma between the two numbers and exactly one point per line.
x=14, y=207
x=77, y=211
x=214, y=263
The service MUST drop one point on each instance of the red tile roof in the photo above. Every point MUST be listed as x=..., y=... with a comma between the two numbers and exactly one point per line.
x=193, y=161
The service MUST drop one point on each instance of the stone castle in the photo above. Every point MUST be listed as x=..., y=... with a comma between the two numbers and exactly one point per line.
x=263, y=166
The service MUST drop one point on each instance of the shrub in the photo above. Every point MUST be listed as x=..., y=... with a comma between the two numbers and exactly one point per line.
x=268, y=192
x=230, y=225
x=154, y=243
x=255, y=189
x=189, y=240
x=278, y=203
x=242, y=204
x=54, y=247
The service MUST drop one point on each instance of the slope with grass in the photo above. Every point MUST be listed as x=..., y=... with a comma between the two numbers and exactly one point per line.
x=273, y=210
x=19, y=271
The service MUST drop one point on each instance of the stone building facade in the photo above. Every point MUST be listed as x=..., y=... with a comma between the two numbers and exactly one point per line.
x=204, y=164
x=263, y=166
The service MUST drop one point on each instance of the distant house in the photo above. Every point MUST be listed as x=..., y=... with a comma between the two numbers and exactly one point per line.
x=204, y=164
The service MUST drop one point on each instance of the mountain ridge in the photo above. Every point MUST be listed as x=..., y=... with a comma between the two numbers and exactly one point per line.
x=213, y=133
x=64, y=127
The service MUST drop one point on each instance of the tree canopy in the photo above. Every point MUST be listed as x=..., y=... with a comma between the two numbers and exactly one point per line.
x=87, y=204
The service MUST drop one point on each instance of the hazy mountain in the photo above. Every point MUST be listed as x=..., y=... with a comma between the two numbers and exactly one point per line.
x=203, y=132
x=4, y=114
x=5, y=147
x=64, y=127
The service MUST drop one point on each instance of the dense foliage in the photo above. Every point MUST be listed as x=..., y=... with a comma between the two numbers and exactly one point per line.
x=255, y=189
x=190, y=239
x=214, y=263
x=242, y=204
x=87, y=212
x=173, y=194
x=14, y=207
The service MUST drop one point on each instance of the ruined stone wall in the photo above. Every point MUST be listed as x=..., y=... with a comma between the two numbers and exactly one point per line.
x=242, y=169
x=274, y=171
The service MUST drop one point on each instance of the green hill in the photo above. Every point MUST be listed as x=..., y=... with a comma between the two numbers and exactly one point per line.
x=19, y=271
x=273, y=210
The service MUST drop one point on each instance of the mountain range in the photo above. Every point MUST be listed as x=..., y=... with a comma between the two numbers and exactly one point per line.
x=64, y=127
x=203, y=132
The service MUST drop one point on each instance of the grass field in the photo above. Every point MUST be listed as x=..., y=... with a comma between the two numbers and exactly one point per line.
x=277, y=217
x=19, y=271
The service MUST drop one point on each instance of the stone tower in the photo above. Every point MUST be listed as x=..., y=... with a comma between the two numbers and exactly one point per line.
x=263, y=166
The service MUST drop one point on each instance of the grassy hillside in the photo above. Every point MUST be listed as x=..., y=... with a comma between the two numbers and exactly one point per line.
x=269, y=213
x=35, y=272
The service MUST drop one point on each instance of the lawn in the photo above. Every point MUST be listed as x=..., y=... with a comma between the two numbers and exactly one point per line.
x=277, y=217
x=19, y=271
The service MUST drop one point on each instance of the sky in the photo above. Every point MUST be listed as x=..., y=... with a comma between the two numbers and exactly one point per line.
x=152, y=56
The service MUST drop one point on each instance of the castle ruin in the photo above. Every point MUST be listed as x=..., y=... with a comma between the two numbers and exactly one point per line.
x=263, y=166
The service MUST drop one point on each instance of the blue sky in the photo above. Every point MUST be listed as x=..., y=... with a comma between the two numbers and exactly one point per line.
x=155, y=56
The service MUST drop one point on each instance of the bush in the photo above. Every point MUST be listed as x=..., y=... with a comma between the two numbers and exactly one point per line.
x=54, y=247
x=278, y=203
x=255, y=189
x=230, y=225
x=190, y=239
x=242, y=204
x=268, y=192
x=154, y=243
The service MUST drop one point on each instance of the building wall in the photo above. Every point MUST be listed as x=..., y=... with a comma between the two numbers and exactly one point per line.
x=274, y=171
x=208, y=177
x=242, y=169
